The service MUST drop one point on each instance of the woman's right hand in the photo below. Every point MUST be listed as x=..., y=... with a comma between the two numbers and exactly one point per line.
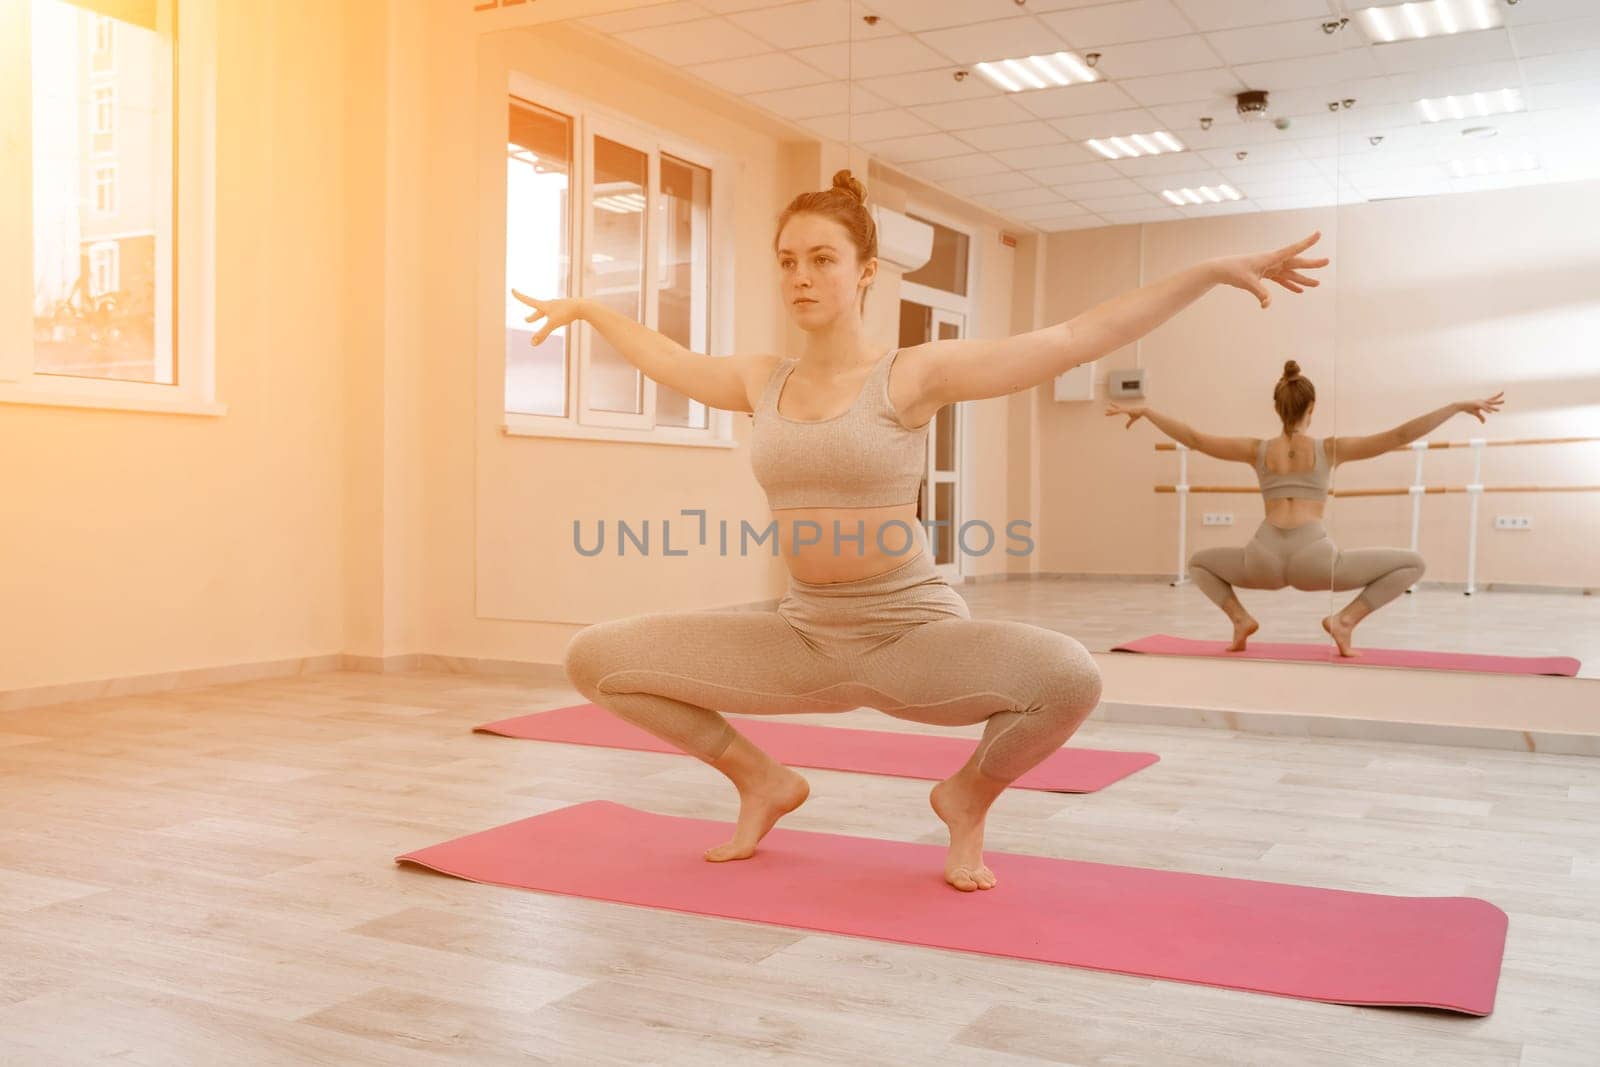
x=556, y=313
x=1134, y=414
x=1478, y=408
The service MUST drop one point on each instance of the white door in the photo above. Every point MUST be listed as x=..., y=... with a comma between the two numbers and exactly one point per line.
x=942, y=497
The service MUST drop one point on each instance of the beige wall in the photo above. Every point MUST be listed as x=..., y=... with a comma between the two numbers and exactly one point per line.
x=1428, y=301
x=132, y=543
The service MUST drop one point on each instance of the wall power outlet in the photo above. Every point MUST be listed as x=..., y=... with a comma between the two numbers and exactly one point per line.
x=1217, y=518
x=1513, y=522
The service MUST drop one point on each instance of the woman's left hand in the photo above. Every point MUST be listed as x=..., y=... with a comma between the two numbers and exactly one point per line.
x=1282, y=265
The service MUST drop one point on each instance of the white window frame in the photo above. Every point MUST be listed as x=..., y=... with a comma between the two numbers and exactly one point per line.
x=105, y=41
x=110, y=108
x=191, y=219
x=588, y=120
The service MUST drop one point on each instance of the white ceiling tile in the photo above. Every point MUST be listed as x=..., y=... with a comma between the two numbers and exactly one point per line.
x=832, y=58
x=1189, y=179
x=1019, y=198
x=1294, y=202
x=1169, y=163
x=1319, y=186
x=919, y=15
x=1226, y=14
x=1349, y=65
x=1048, y=211
x=1056, y=155
x=1227, y=207
x=1077, y=222
x=1564, y=94
x=1085, y=191
x=1081, y=172
x=957, y=166
x=969, y=114
x=999, y=182
x=1564, y=67
x=1547, y=11
x=1012, y=135
x=886, y=125
x=827, y=98
x=644, y=18
x=899, y=54
x=913, y=149
x=1543, y=38
x=1242, y=174
x=1000, y=39
x=811, y=22
x=1134, y=218
x=701, y=41
x=1269, y=152
x=1148, y=58
x=1456, y=50
x=1178, y=88
x=1477, y=78
x=1284, y=40
x=1109, y=124
x=1074, y=100
x=1111, y=205
x=754, y=74
x=724, y=7
x=829, y=126
x=1107, y=24
x=928, y=87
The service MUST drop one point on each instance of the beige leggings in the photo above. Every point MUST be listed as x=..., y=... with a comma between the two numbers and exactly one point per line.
x=902, y=642
x=1305, y=558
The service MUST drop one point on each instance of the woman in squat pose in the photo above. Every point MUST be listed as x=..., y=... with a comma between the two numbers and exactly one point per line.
x=1290, y=546
x=839, y=445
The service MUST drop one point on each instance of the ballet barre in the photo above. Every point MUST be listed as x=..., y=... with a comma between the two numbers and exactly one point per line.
x=1416, y=491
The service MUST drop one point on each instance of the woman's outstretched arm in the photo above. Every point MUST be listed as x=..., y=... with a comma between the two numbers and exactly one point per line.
x=1241, y=449
x=1350, y=449
x=950, y=371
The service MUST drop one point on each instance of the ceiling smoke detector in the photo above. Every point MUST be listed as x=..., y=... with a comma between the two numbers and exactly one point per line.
x=1252, y=104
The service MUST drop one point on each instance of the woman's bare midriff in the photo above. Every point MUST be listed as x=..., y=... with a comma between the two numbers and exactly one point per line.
x=1288, y=513
x=822, y=559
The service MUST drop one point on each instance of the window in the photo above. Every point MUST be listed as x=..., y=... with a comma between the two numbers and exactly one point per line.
x=599, y=208
x=99, y=325
x=105, y=189
x=103, y=274
x=105, y=58
x=105, y=119
x=947, y=268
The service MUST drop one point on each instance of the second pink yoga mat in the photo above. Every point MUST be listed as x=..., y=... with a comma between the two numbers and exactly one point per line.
x=905, y=755
x=1292, y=940
x=1167, y=645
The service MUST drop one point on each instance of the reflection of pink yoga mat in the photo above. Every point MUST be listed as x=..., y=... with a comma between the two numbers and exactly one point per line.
x=1070, y=770
x=1166, y=645
x=1298, y=941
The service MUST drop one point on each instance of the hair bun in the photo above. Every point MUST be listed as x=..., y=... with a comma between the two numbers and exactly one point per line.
x=850, y=184
x=1291, y=370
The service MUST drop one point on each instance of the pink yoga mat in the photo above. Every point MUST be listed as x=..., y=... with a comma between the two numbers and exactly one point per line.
x=1299, y=941
x=1167, y=645
x=1070, y=770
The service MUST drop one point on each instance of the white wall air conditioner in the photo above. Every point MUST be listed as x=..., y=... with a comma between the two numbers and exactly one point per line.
x=903, y=243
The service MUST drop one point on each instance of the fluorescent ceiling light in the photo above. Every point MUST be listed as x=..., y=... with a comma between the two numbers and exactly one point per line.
x=1428, y=18
x=1470, y=105
x=1136, y=144
x=1205, y=194
x=1036, y=72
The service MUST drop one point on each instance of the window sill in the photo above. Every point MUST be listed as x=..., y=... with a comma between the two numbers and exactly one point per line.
x=11, y=393
x=661, y=436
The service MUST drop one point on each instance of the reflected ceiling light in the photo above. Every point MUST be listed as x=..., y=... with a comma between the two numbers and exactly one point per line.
x=1470, y=105
x=1136, y=144
x=1036, y=72
x=1205, y=194
x=1428, y=18
x=625, y=204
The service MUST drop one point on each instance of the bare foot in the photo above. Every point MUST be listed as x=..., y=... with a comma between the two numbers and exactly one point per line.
x=963, y=811
x=760, y=808
x=1340, y=631
x=1242, y=629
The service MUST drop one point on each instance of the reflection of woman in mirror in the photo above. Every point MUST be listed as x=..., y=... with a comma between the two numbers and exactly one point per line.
x=1290, y=547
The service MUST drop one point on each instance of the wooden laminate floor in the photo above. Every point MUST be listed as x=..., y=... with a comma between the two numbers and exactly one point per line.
x=207, y=877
